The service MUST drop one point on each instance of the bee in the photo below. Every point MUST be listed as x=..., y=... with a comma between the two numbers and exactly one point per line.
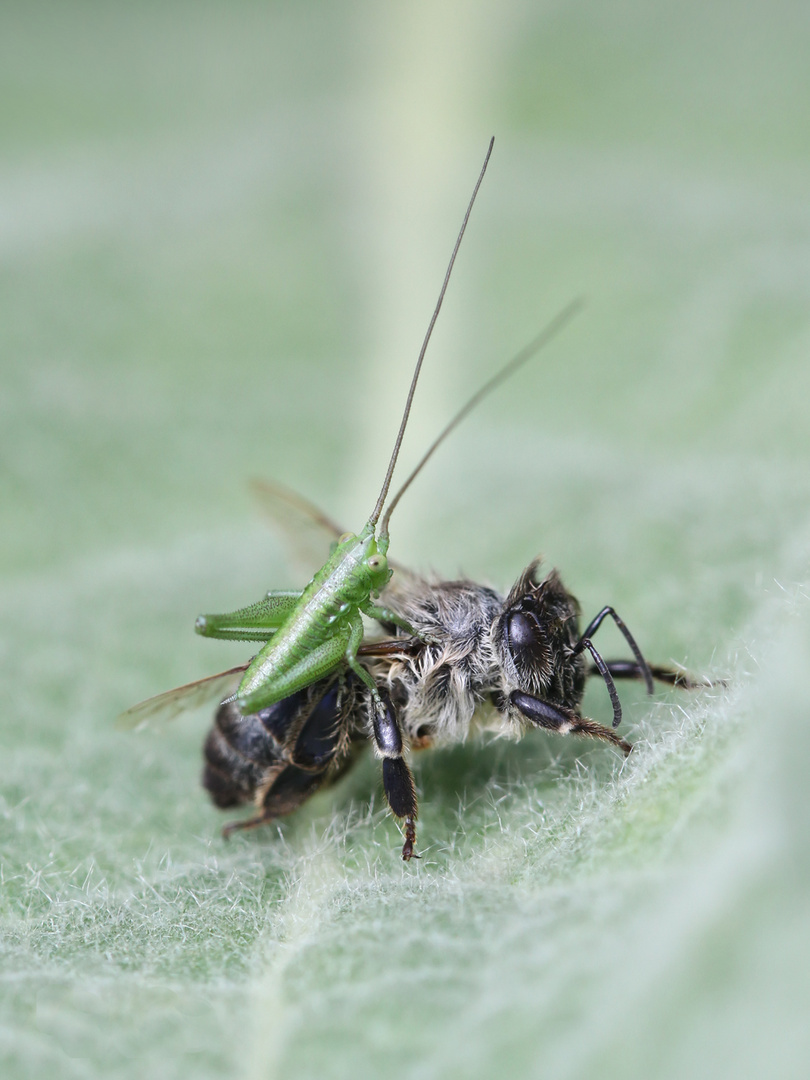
x=482, y=662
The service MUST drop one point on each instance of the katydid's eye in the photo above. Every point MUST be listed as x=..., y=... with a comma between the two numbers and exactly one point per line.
x=376, y=562
x=345, y=537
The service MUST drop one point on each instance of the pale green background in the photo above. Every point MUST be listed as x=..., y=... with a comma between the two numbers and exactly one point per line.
x=222, y=229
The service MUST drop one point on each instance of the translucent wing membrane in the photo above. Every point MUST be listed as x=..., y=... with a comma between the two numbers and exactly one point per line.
x=165, y=707
x=306, y=531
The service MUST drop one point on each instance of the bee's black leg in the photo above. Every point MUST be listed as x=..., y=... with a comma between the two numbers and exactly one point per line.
x=285, y=790
x=243, y=826
x=603, y=670
x=397, y=780
x=563, y=721
x=593, y=626
x=629, y=669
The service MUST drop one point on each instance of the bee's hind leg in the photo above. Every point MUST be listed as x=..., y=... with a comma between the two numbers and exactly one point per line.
x=397, y=780
x=285, y=790
x=243, y=826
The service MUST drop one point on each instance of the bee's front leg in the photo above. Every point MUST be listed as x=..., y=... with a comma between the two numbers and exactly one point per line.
x=563, y=721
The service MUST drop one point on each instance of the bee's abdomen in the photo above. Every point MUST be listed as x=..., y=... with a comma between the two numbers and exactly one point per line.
x=238, y=752
x=280, y=755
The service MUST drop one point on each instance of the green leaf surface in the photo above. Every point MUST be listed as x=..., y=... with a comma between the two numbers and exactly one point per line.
x=222, y=231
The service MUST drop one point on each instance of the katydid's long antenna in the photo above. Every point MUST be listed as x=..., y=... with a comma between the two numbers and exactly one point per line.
x=543, y=338
x=387, y=482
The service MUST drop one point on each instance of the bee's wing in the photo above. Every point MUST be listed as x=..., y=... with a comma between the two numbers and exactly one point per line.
x=306, y=530
x=164, y=707
x=390, y=647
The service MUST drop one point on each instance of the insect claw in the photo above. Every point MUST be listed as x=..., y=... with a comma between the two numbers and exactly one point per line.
x=410, y=839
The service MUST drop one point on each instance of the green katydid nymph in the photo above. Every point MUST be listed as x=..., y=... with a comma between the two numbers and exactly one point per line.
x=310, y=634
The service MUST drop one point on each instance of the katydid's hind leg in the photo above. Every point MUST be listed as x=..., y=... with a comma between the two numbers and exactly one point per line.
x=263, y=685
x=257, y=622
x=397, y=780
x=629, y=669
x=563, y=721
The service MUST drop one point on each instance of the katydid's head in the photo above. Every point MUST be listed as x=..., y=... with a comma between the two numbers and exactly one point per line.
x=372, y=558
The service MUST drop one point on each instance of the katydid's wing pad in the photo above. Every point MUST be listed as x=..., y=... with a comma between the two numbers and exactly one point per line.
x=165, y=707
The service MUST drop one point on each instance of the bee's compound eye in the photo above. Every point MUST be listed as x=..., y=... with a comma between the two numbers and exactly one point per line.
x=522, y=631
x=346, y=536
x=527, y=641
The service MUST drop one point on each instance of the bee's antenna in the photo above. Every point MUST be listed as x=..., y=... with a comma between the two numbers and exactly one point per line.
x=387, y=482
x=534, y=346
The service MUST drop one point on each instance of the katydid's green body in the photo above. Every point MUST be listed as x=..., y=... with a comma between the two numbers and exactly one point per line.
x=312, y=633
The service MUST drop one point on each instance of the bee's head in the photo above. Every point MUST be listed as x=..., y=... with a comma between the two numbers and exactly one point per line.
x=536, y=632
